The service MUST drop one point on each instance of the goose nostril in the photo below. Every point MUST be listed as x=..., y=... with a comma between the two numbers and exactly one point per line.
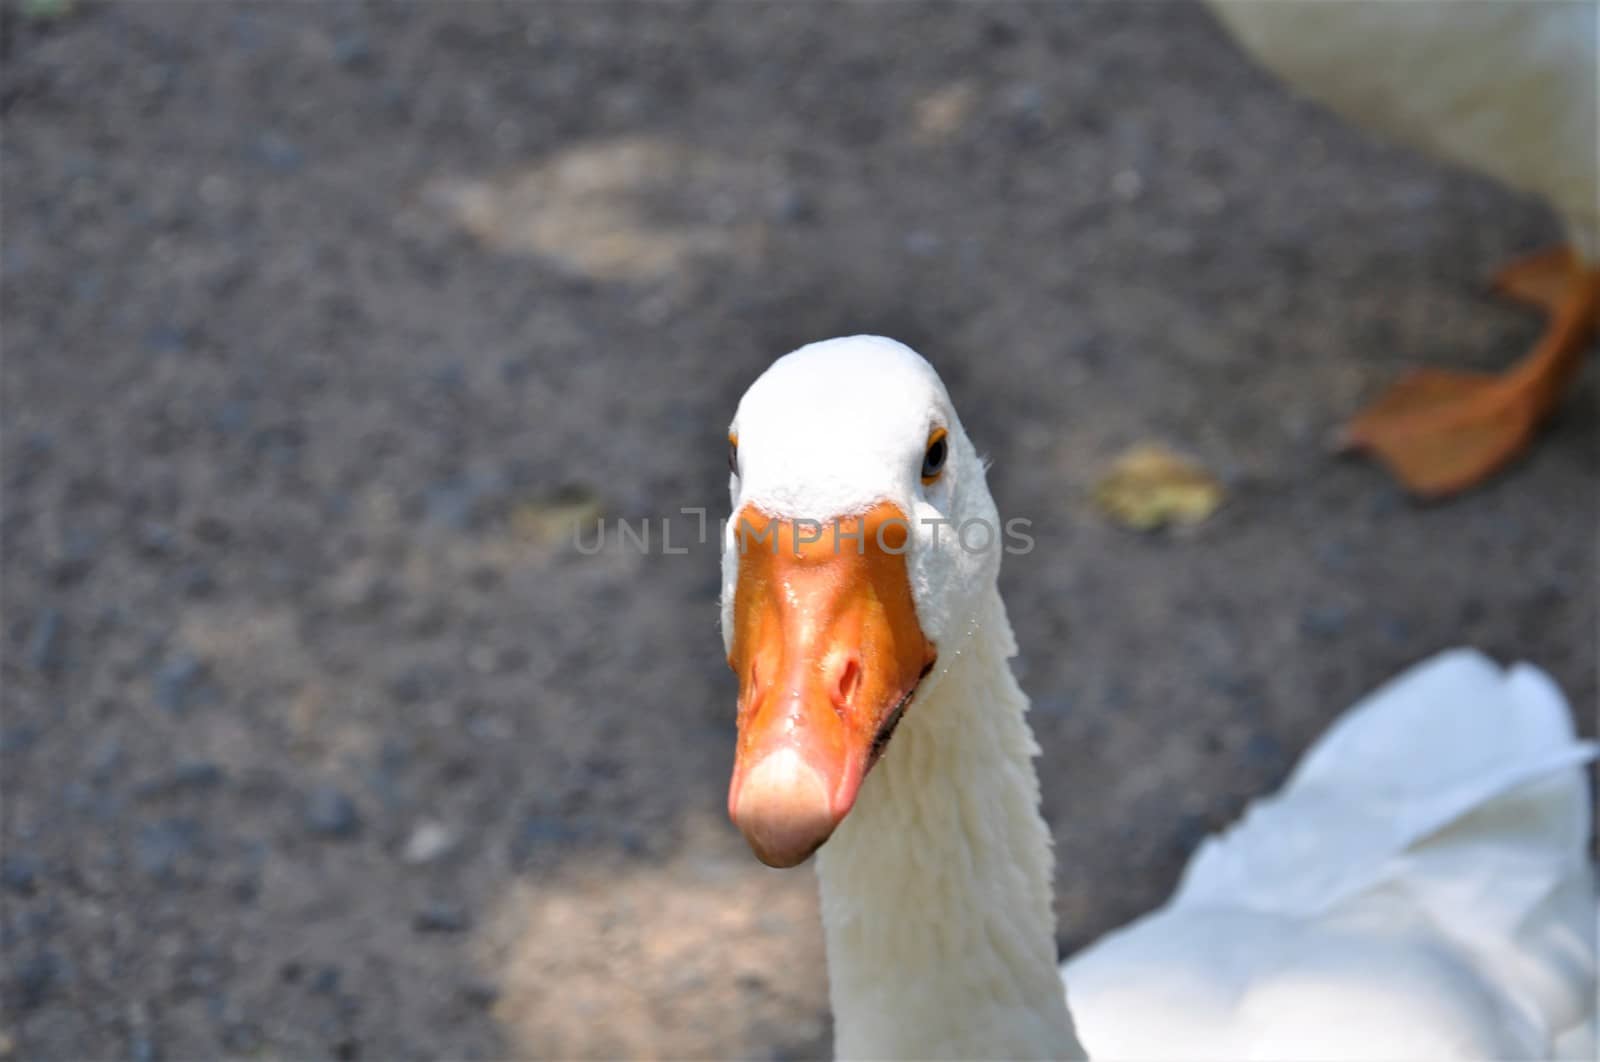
x=849, y=680
x=750, y=696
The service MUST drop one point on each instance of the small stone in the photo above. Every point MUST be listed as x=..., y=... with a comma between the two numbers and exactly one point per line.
x=35, y=978
x=538, y=833
x=515, y=370
x=361, y=589
x=87, y=288
x=487, y=727
x=196, y=581
x=922, y=242
x=246, y=888
x=428, y=841
x=203, y=971
x=196, y=774
x=46, y=649
x=20, y=873
x=233, y=417
x=278, y=153
x=1025, y=99
x=1386, y=500
x=159, y=847
x=1264, y=752
x=451, y=504
x=142, y=1049
x=685, y=982
x=511, y=660
x=1189, y=831
x=407, y=688
x=280, y=444
x=480, y=993
x=155, y=539
x=325, y=982
x=442, y=916
x=330, y=813
x=177, y=682
x=212, y=530
x=166, y=339
x=243, y=1037
x=1335, y=556
x=246, y=32
x=791, y=206
x=78, y=797
x=451, y=376
x=1127, y=185
x=998, y=33
x=31, y=457
x=352, y=49
x=1323, y=621
x=79, y=550
x=191, y=776
x=1056, y=704
x=1394, y=629
x=17, y=737
x=37, y=923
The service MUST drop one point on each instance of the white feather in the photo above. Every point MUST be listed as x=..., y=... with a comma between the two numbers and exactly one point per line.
x=1418, y=889
x=1503, y=87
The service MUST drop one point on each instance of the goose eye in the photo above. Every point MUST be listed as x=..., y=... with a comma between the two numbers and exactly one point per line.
x=733, y=454
x=933, y=460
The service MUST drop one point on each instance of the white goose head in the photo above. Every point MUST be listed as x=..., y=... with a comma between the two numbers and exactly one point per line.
x=862, y=535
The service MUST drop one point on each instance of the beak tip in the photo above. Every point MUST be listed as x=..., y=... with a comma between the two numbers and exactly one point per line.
x=782, y=807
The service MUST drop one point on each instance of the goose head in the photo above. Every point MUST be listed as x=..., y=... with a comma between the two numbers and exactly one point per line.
x=861, y=536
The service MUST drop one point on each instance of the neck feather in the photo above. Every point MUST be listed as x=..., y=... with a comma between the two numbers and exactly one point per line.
x=936, y=890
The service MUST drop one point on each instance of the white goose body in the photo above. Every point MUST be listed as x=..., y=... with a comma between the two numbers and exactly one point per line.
x=1419, y=889
x=1503, y=87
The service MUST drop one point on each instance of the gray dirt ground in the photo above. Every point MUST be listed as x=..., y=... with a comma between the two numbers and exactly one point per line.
x=310, y=315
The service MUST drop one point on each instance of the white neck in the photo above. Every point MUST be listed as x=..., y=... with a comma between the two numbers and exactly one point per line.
x=936, y=892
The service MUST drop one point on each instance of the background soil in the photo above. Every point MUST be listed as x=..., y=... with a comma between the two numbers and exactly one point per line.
x=320, y=740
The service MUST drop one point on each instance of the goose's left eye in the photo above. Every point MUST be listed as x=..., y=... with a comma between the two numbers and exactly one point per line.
x=733, y=454
x=933, y=460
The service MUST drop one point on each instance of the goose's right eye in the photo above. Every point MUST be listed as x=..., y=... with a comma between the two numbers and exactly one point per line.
x=933, y=460
x=733, y=454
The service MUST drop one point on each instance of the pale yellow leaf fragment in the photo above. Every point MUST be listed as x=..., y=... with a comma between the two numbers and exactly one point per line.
x=570, y=512
x=1150, y=486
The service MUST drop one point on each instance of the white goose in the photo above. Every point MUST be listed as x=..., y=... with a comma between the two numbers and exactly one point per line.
x=1419, y=889
x=1504, y=87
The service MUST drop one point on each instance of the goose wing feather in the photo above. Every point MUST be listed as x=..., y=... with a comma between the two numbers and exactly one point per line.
x=1419, y=888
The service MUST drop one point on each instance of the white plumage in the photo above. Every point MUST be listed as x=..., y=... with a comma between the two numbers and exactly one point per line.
x=1503, y=87
x=1419, y=889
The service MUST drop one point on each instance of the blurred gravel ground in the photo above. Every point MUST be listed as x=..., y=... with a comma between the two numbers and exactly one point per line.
x=318, y=741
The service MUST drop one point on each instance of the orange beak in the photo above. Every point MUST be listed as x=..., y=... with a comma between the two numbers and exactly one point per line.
x=828, y=652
